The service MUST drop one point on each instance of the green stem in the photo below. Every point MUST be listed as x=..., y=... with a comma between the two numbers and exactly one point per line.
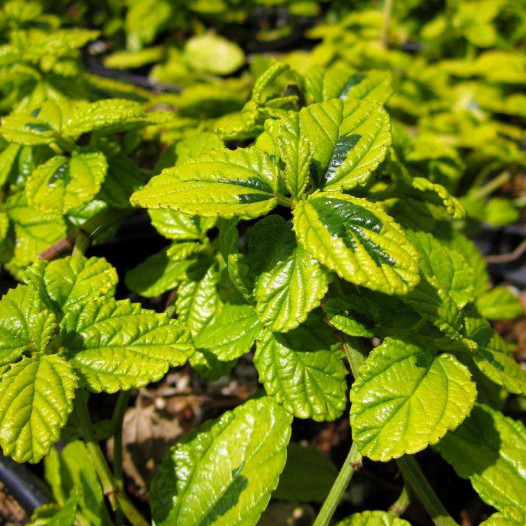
x=355, y=351
x=81, y=244
x=284, y=201
x=402, y=502
x=116, y=496
x=352, y=463
x=388, y=7
x=491, y=186
x=118, y=418
x=422, y=489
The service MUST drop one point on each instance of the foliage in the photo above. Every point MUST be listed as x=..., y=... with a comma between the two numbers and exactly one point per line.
x=315, y=211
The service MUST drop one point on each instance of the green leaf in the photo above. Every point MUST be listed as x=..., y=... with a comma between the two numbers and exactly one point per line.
x=436, y=305
x=348, y=140
x=25, y=324
x=471, y=254
x=62, y=184
x=71, y=468
x=122, y=179
x=308, y=475
x=66, y=283
x=8, y=157
x=4, y=225
x=350, y=317
x=289, y=282
x=41, y=126
x=231, y=333
x=489, y=449
x=342, y=82
x=236, y=262
x=295, y=151
x=196, y=144
x=106, y=116
x=35, y=231
x=435, y=194
x=225, y=183
x=303, y=369
x=213, y=54
x=373, y=518
x=157, y=274
x=508, y=517
x=36, y=398
x=180, y=227
x=357, y=240
x=117, y=345
x=499, y=304
x=223, y=473
x=407, y=397
x=492, y=356
x=500, y=211
x=451, y=271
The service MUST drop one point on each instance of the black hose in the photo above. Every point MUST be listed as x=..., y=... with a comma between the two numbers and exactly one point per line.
x=28, y=490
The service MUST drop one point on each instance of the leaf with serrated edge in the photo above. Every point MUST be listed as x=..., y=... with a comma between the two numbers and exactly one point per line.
x=342, y=82
x=500, y=303
x=489, y=449
x=225, y=183
x=230, y=333
x=289, y=282
x=157, y=274
x=178, y=226
x=25, y=323
x=507, y=517
x=223, y=473
x=373, y=518
x=357, y=240
x=492, y=356
x=407, y=397
x=304, y=370
x=117, y=345
x=62, y=184
x=67, y=282
x=36, y=398
x=35, y=231
x=449, y=268
x=348, y=140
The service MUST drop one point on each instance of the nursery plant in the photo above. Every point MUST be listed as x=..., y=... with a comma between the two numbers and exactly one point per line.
x=314, y=210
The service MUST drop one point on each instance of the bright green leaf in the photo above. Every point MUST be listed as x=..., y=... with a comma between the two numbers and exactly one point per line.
x=289, y=282
x=36, y=398
x=68, y=282
x=117, y=345
x=61, y=184
x=226, y=183
x=489, y=449
x=373, y=518
x=407, y=397
x=25, y=324
x=224, y=472
x=499, y=303
x=358, y=240
x=303, y=369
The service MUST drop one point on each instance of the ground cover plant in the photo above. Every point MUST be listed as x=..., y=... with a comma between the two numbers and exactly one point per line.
x=239, y=267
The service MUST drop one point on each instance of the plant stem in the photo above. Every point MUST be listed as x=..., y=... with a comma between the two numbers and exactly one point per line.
x=116, y=496
x=402, y=502
x=422, y=489
x=355, y=351
x=491, y=186
x=388, y=7
x=352, y=463
x=118, y=418
x=81, y=244
x=91, y=229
